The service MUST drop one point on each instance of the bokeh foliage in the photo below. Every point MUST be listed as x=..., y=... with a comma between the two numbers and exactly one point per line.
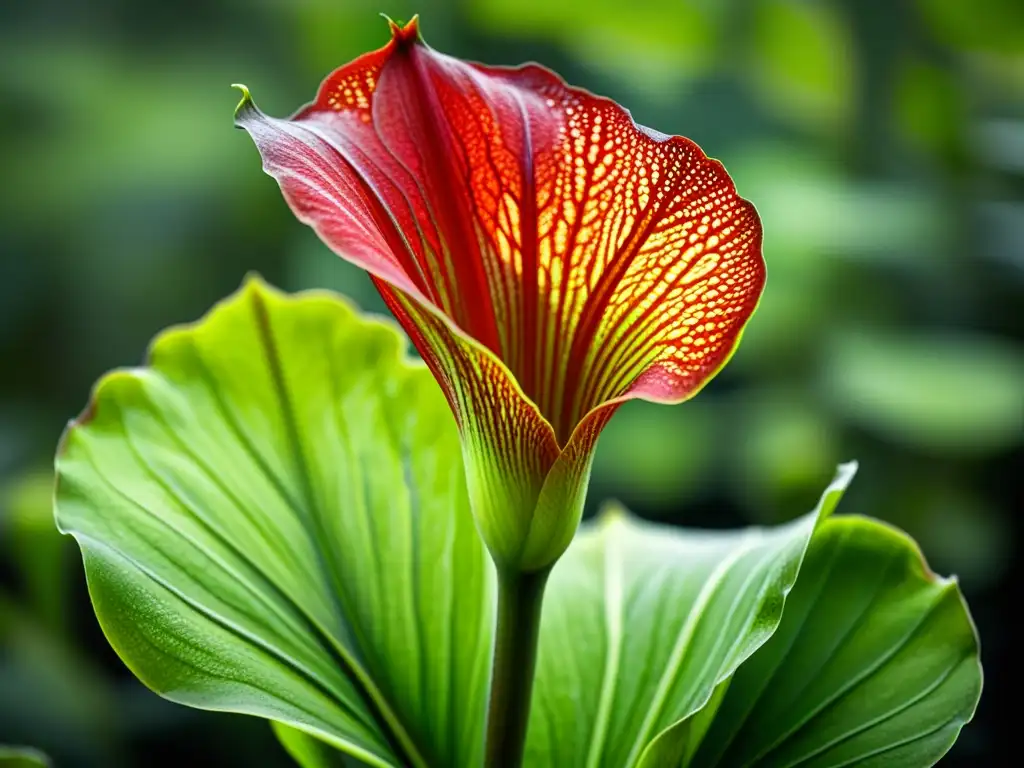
x=882, y=143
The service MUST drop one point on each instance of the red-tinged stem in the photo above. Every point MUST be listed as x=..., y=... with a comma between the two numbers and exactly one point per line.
x=515, y=655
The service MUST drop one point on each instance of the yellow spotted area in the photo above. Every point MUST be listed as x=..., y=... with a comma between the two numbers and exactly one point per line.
x=351, y=88
x=643, y=257
x=353, y=93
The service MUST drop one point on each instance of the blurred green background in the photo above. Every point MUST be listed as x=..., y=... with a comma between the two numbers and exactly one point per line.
x=881, y=140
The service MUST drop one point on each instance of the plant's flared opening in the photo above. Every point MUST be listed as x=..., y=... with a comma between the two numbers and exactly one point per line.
x=594, y=258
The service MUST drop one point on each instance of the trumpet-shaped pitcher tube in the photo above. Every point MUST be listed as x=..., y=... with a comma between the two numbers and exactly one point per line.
x=549, y=257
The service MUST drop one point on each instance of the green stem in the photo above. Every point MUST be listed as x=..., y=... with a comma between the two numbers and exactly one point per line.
x=515, y=654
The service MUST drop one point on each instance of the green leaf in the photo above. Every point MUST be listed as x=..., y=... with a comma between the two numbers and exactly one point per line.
x=29, y=542
x=642, y=622
x=666, y=43
x=984, y=25
x=803, y=62
x=274, y=521
x=20, y=757
x=663, y=647
x=875, y=663
x=954, y=393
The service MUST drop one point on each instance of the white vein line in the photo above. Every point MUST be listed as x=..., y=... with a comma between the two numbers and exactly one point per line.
x=867, y=671
x=685, y=638
x=727, y=664
x=613, y=625
x=950, y=725
x=821, y=584
x=229, y=626
x=752, y=580
x=921, y=695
